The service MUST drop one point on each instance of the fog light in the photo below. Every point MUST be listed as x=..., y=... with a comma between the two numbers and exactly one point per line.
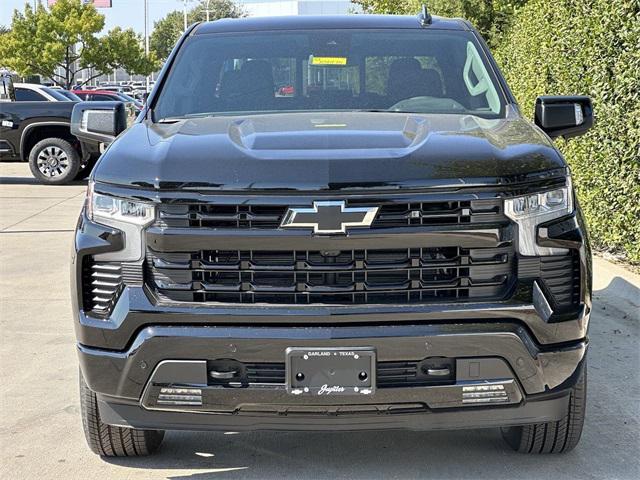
x=180, y=396
x=490, y=393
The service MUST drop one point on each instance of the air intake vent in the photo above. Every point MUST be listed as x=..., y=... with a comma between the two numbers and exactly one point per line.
x=561, y=278
x=102, y=285
x=401, y=374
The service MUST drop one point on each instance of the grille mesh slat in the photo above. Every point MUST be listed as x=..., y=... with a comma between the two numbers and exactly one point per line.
x=346, y=277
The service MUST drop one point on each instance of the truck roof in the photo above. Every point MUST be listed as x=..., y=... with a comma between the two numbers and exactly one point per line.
x=316, y=22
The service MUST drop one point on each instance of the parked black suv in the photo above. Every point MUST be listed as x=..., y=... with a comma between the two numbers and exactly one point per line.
x=390, y=244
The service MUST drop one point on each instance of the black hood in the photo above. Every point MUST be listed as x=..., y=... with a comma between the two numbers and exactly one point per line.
x=326, y=151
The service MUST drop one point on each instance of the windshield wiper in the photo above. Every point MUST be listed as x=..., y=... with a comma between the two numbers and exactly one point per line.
x=171, y=119
x=382, y=110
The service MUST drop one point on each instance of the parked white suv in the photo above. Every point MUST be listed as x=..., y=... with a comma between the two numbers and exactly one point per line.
x=33, y=92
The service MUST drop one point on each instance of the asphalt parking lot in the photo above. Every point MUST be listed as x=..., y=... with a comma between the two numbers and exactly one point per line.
x=40, y=430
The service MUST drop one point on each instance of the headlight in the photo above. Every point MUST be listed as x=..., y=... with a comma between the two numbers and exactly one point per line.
x=128, y=216
x=529, y=211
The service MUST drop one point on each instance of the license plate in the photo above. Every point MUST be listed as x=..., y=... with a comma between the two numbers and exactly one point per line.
x=330, y=371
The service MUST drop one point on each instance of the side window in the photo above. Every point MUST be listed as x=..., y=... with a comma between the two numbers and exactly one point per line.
x=404, y=77
x=377, y=74
x=332, y=80
x=102, y=98
x=284, y=76
x=239, y=76
x=26, y=95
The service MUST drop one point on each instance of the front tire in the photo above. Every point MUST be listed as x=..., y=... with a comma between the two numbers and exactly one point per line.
x=553, y=437
x=54, y=161
x=109, y=441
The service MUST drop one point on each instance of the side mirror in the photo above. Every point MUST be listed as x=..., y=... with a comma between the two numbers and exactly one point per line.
x=98, y=121
x=562, y=116
x=7, y=93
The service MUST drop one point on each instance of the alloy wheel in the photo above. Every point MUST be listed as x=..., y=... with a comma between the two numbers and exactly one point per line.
x=53, y=161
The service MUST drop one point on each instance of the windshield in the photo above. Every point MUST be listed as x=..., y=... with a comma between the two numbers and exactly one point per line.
x=70, y=95
x=56, y=94
x=414, y=71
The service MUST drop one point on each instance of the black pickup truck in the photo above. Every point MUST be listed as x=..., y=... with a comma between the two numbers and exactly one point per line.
x=387, y=244
x=39, y=132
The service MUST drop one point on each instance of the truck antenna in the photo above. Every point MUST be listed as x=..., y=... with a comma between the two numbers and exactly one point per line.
x=424, y=16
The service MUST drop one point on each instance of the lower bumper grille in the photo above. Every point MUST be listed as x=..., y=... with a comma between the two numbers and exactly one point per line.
x=414, y=275
x=401, y=374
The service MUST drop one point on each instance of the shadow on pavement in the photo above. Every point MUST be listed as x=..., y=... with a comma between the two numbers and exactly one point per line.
x=266, y=455
x=621, y=290
x=608, y=449
x=33, y=181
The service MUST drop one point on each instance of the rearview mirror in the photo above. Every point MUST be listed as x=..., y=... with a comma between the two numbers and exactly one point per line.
x=98, y=121
x=564, y=116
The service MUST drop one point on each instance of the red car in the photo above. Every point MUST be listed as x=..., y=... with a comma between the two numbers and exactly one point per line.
x=286, y=90
x=109, y=96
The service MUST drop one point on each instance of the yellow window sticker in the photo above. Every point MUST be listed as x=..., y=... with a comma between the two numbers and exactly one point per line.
x=328, y=60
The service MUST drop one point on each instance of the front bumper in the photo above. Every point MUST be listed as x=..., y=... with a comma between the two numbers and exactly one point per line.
x=535, y=380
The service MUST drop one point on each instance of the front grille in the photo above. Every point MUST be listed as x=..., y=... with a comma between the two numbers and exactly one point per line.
x=390, y=214
x=220, y=216
x=397, y=374
x=102, y=285
x=413, y=275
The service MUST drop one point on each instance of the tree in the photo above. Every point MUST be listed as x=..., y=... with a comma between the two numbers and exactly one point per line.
x=64, y=39
x=590, y=48
x=168, y=30
x=490, y=17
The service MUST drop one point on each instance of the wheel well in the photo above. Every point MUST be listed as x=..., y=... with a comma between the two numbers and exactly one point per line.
x=35, y=134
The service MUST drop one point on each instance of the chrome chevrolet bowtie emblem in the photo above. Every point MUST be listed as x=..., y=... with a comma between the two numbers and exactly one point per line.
x=329, y=217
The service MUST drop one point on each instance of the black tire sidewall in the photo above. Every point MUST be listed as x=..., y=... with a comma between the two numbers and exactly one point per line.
x=567, y=431
x=85, y=170
x=72, y=154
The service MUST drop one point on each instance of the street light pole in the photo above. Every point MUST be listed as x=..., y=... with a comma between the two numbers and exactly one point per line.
x=146, y=36
x=208, y=1
x=184, y=13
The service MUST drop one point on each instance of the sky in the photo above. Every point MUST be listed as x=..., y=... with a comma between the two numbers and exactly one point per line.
x=125, y=13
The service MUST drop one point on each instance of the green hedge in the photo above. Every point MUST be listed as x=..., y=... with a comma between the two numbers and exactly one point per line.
x=589, y=47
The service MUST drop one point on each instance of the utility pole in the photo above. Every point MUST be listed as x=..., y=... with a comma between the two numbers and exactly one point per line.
x=208, y=1
x=146, y=36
